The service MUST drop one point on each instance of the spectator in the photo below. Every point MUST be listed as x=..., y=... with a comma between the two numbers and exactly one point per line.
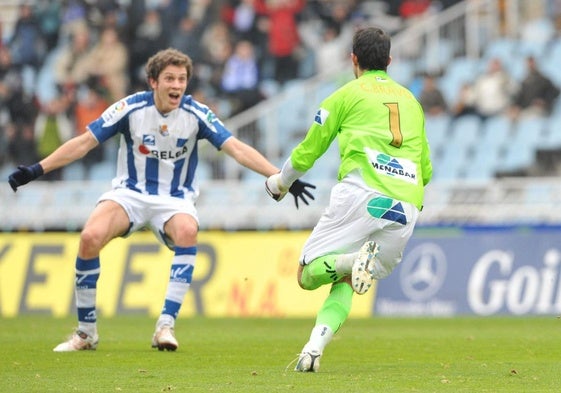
x=244, y=20
x=108, y=61
x=431, y=98
x=48, y=15
x=73, y=16
x=149, y=37
x=464, y=104
x=18, y=111
x=90, y=103
x=187, y=38
x=493, y=90
x=240, y=79
x=537, y=93
x=27, y=43
x=21, y=146
x=19, y=106
x=411, y=10
x=217, y=48
x=327, y=42
x=283, y=37
x=52, y=129
x=73, y=64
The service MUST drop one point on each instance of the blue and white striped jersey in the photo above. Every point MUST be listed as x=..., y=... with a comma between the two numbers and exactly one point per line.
x=158, y=153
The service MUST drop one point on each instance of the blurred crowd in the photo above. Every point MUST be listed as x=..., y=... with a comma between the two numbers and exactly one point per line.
x=64, y=62
x=494, y=92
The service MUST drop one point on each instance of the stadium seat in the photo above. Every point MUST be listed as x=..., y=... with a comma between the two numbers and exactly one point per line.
x=465, y=131
x=438, y=131
x=74, y=171
x=502, y=48
x=459, y=71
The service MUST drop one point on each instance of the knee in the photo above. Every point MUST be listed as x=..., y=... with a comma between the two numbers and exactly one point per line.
x=185, y=235
x=91, y=242
x=299, y=276
x=183, y=232
x=306, y=280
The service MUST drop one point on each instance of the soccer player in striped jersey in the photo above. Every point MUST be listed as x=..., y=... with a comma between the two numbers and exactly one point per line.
x=385, y=165
x=154, y=186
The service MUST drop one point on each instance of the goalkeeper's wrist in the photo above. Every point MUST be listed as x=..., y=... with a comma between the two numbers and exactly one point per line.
x=276, y=184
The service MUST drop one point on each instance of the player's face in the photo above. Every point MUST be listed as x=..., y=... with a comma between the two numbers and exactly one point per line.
x=169, y=88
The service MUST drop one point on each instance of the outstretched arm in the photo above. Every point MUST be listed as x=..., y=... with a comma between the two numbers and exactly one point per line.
x=249, y=157
x=252, y=159
x=70, y=151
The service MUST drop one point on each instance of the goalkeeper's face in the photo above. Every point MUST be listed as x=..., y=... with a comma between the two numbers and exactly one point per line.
x=169, y=88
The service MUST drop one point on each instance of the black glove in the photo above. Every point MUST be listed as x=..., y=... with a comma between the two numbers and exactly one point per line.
x=298, y=190
x=24, y=175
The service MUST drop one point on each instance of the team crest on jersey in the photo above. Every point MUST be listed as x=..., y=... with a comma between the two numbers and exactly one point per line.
x=149, y=140
x=163, y=128
x=321, y=116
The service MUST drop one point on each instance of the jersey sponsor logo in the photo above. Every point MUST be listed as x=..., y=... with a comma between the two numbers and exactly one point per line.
x=149, y=140
x=399, y=168
x=321, y=116
x=384, y=207
x=169, y=154
x=148, y=146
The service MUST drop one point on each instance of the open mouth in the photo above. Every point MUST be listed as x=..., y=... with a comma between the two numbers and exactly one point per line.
x=174, y=98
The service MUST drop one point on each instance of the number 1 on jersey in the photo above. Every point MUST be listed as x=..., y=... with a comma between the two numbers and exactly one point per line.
x=395, y=129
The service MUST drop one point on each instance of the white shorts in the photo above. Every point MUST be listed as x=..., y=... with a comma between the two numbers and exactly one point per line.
x=150, y=211
x=347, y=224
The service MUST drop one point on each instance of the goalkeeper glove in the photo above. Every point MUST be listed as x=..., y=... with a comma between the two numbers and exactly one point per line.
x=299, y=191
x=275, y=188
x=24, y=174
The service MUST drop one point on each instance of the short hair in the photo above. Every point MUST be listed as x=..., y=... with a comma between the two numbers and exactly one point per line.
x=156, y=64
x=371, y=46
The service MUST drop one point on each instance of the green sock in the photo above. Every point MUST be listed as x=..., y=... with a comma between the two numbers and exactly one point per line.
x=337, y=306
x=319, y=272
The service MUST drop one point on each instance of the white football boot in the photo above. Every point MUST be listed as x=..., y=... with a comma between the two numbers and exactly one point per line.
x=363, y=267
x=164, y=338
x=79, y=341
x=308, y=362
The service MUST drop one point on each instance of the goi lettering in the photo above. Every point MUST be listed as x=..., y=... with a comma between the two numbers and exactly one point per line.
x=495, y=285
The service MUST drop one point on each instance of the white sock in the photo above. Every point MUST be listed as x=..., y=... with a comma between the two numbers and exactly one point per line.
x=319, y=338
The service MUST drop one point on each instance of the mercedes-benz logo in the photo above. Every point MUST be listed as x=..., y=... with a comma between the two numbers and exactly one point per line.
x=423, y=272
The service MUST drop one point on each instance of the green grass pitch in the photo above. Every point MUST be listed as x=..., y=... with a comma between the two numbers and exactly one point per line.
x=252, y=355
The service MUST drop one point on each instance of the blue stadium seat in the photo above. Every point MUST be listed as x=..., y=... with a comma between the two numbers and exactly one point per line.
x=438, y=131
x=466, y=130
x=460, y=70
x=502, y=48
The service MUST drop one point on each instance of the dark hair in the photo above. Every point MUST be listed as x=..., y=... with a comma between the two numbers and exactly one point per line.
x=156, y=64
x=371, y=46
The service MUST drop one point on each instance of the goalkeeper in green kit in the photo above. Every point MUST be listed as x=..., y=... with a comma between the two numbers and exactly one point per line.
x=385, y=165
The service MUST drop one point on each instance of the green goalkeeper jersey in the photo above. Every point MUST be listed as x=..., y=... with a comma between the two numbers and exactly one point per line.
x=381, y=133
